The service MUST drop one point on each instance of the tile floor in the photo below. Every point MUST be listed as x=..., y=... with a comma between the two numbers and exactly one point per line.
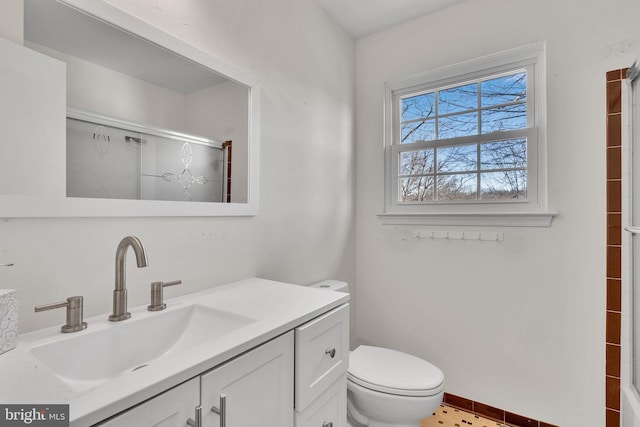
x=448, y=416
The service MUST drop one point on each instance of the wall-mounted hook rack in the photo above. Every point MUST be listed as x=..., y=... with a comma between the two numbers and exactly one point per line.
x=485, y=236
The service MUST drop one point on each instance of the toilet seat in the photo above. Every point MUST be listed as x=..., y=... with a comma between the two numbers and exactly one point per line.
x=393, y=372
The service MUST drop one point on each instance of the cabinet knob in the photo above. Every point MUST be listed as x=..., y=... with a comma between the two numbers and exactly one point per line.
x=74, y=313
x=331, y=352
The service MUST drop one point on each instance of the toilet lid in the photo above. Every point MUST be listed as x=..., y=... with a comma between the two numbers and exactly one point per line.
x=394, y=372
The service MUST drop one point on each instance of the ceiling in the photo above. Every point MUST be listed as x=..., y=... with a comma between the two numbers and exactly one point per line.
x=361, y=18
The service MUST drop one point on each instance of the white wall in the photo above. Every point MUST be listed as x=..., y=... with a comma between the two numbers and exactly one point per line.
x=32, y=85
x=100, y=90
x=12, y=20
x=518, y=324
x=304, y=232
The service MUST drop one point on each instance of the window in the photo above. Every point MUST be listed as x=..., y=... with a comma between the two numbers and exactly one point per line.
x=467, y=141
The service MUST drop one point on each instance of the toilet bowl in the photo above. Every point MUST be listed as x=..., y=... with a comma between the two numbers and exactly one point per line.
x=388, y=388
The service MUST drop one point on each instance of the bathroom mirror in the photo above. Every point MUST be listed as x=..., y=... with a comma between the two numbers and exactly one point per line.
x=148, y=117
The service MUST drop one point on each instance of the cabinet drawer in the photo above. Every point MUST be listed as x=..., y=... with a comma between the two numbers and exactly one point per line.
x=328, y=410
x=171, y=408
x=322, y=354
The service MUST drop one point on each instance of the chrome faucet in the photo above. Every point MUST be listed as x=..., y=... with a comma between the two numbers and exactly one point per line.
x=120, y=292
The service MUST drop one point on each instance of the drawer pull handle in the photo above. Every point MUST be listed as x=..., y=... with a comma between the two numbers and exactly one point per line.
x=327, y=424
x=331, y=352
x=222, y=411
x=198, y=421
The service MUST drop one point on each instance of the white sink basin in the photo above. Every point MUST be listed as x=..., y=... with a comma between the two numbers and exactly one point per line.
x=91, y=357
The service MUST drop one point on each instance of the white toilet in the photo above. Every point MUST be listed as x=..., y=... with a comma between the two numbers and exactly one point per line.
x=388, y=388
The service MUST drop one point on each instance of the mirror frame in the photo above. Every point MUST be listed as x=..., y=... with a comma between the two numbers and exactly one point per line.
x=62, y=206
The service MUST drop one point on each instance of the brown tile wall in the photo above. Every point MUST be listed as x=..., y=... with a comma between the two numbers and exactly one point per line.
x=614, y=245
x=492, y=412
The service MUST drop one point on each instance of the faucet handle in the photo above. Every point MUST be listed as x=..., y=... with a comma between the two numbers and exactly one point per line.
x=157, y=297
x=74, y=307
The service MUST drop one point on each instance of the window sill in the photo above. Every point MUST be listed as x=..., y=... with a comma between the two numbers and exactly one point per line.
x=505, y=219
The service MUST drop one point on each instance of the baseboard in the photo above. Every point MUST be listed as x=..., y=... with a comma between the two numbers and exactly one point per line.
x=492, y=412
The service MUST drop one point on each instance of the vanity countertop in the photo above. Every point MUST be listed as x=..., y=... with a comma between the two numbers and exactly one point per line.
x=275, y=307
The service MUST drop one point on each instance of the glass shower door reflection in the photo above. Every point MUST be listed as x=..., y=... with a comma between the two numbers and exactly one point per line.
x=102, y=161
x=178, y=170
x=106, y=161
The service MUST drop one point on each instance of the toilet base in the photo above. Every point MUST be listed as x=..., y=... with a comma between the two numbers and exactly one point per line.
x=377, y=424
x=368, y=408
x=353, y=423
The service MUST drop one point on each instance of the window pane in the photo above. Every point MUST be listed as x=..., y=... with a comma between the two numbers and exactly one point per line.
x=509, y=117
x=458, y=99
x=457, y=187
x=416, y=162
x=416, y=189
x=507, y=185
x=458, y=125
x=458, y=159
x=504, y=154
x=504, y=89
x=424, y=130
x=418, y=107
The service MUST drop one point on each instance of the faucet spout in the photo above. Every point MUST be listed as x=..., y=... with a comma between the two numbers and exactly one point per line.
x=120, y=292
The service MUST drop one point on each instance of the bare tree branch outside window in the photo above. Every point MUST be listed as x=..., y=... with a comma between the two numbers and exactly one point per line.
x=449, y=171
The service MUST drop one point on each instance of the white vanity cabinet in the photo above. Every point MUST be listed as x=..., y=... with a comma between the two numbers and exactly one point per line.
x=275, y=353
x=298, y=378
x=322, y=359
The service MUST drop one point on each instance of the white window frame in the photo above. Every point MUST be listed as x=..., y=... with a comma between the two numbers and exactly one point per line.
x=530, y=212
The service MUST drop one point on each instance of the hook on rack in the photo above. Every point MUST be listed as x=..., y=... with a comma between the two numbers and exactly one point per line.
x=460, y=235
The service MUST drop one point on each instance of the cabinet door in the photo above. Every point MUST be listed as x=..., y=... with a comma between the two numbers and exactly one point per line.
x=255, y=389
x=327, y=410
x=169, y=409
